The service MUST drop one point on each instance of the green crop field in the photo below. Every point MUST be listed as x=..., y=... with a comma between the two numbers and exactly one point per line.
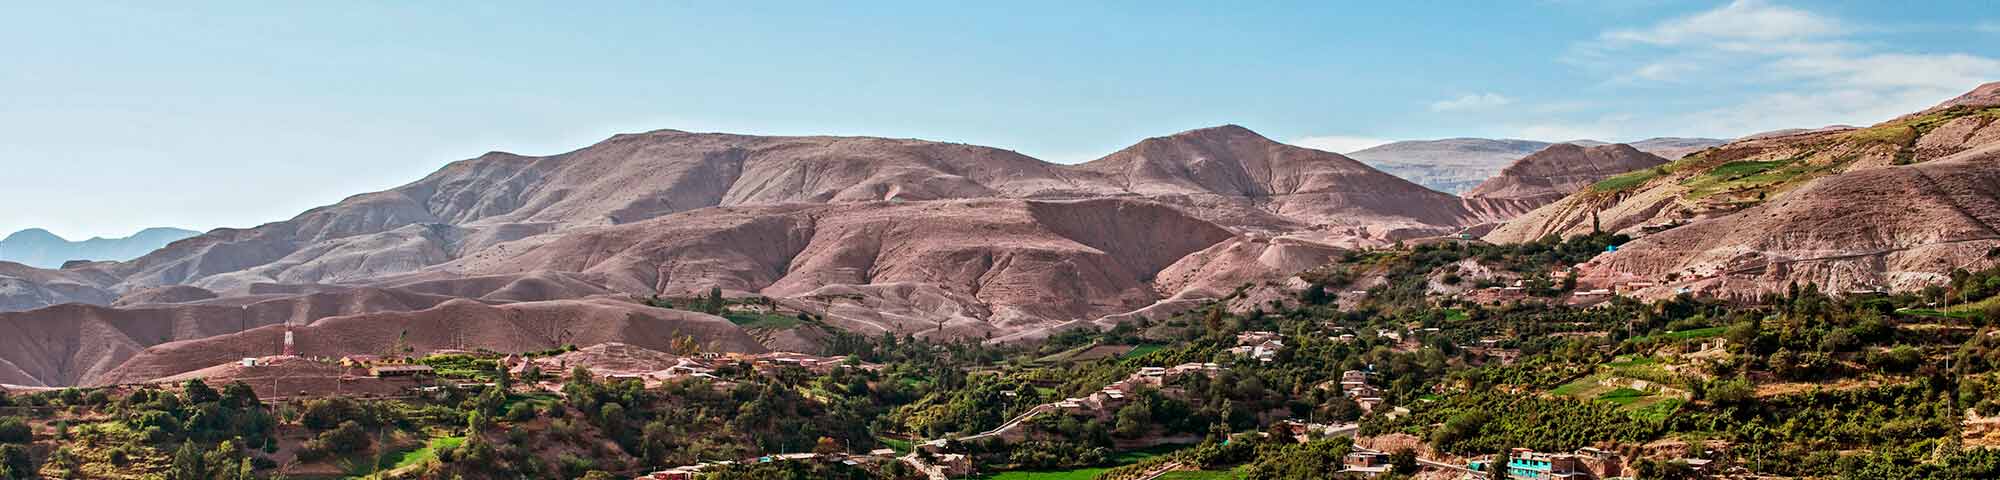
x=1626, y=181
x=1077, y=474
x=768, y=321
x=1203, y=475
x=1623, y=396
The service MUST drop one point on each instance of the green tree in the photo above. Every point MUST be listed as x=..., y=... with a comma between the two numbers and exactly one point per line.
x=1404, y=461
x=1133, y=420
x=198, y=392
x=714, y=305
x=187, y=464
x=15, y=430
x=239, y=395
x=1498, y=469
x=15, y=462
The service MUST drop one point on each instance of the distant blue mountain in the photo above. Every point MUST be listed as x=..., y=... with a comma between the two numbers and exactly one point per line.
x=38, y=248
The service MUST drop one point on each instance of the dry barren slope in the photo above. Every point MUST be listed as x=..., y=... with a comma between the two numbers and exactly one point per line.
x=1227, y=175
x=999, y=262
x=1895, y=227
x=1722, y=180
x=498, y=197
x=1213, y=168
x=459, y=324
x=23, y=287
x=1890, y=205
x=65, y=344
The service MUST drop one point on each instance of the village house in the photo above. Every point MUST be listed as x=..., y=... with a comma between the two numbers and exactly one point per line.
x=360, y=360
x=1365, y=464
x=1253, y=338
x=1586, y=464
x=954, y=465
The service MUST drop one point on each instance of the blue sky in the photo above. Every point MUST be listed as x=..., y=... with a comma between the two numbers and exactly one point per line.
x=115, y=117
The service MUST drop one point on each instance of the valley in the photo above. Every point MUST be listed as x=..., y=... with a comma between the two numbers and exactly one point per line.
x=1212, y=303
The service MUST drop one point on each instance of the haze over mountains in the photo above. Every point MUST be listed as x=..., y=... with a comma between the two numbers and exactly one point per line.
x=38, y=248
x=1455, y=165
x=947, y=240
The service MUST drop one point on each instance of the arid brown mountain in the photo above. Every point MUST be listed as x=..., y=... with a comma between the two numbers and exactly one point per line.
x=1232, y=171
x=38, y=248
x=872, y=234
x=1553, y=173
x=1746, y=172
x=1227, y=175
x=990, y=264
x=1894, y=228
x=1456, y=165
x=1883, y=206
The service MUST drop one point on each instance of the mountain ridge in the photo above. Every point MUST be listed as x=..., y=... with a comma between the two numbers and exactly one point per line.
x=41, y=248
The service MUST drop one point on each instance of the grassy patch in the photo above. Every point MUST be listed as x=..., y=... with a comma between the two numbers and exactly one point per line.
x=1685, y=334
x=1456, y=315
x=1077, y=474
x=1623, y=396
x=1143, y=350
x=1742, y=168
x=425, y=453
x=1628, y=180
x=1121, y=458
x=1203, y=475
x=1749, y=177
x=899, y=445
x=765, y=321
x=1623, y=362
x=462, y=366
x=1658, y=410
x=1895, y=134
x=1063, y=356
x=1957, y=313
x=1578, y=388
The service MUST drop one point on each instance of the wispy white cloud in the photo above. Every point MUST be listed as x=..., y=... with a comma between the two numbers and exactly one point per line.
x=1665, y=70
x=1739, y=21
x=1475, y=101
x=1988, y=27
x=1339, y=143
x=1811, y=68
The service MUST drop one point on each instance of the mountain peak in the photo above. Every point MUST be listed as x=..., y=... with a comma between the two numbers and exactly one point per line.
x=1987, y=95
x=33, y=234
x=1228, y=131
x=41, y=249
